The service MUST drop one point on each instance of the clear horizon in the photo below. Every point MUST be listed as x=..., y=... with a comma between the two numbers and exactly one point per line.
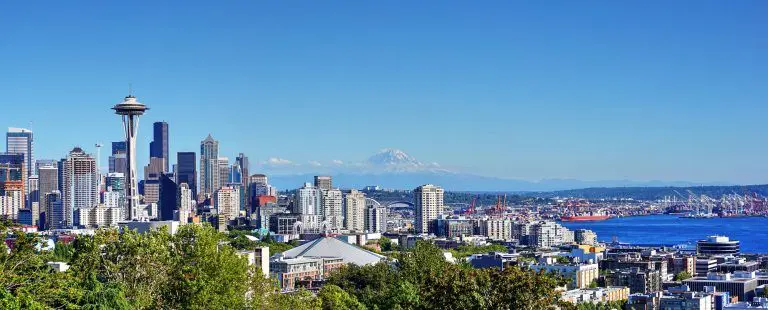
x=598, y=91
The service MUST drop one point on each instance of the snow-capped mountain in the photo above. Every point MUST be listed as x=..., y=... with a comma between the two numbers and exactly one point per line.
x=394, y=160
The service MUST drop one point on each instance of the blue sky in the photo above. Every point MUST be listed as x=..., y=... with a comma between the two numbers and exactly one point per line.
x=589, y=90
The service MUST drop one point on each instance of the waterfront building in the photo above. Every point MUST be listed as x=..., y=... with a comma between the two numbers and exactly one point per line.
x=585, y=236
x=227, y=201
x=717, y=245
x=81, y=184
x=375, y=217
x=209, y=165
x=354, y=203
x=158, y=148
x=323, y=182
x=186, y=173
x=429, y=204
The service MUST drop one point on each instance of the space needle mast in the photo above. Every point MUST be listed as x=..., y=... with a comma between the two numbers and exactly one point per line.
x=130, y=109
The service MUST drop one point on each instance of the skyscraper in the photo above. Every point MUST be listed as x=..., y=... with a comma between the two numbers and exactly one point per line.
x=158, y=148
x=375, y=218
x=130, y=110
x=355, y=210
x=429, y=204
x=187, y=171
x=20, y=141
x=12, y=184
x=308, y=200
x=332, y=208
x=81, y=184
x=242, y=164
x=54, y=212
x=323, y=182
x=224, y=176
x=167, y=204
x=48, y=182
x=209, y=165
x=118, y=162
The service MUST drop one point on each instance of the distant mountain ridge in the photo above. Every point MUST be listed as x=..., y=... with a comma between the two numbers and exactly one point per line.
x=395, y=169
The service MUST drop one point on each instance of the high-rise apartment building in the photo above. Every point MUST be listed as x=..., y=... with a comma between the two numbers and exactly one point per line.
x=323, y=182
x=308, y=200
x=13, y=176
x=158, y=148
x=81, y=184
x=115, y=189
x=354, y=203
x=186, y=171
x=227, y=201
x=375, y=218
x=209, y=165
x=332, y=208
x=429, y=204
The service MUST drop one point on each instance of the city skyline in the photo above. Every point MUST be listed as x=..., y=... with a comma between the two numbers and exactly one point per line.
x=626, y=102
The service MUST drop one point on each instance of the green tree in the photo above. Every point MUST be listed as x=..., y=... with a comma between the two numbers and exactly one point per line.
x=683, y=275
x=333, y=297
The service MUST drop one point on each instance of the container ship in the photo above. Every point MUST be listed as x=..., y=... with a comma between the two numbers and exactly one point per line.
x=589, y=216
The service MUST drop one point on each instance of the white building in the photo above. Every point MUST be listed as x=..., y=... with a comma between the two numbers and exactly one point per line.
x=429, y=204
x=81, y=184
x=332, y=208
x=355, y=210
x=187, y=203
x=99, y=216
x=228, y=202
x=498, y=228
x=10, y=203
x=581, y=275
x=545, y=234
x=308, y=200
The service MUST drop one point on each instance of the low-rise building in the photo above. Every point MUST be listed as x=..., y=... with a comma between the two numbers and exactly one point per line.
x=638, y=281
x=581, y=275
x=596, y=295
x=739, y=284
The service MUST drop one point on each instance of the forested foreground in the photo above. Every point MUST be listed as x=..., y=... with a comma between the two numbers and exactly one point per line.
x=195, y=269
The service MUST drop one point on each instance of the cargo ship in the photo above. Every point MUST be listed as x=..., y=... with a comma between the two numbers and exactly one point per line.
x=589, y=216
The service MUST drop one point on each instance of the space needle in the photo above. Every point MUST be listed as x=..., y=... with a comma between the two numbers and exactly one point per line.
x=130, y=109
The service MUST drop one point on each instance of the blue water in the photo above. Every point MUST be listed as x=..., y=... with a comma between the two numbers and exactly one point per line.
x=673, y=230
